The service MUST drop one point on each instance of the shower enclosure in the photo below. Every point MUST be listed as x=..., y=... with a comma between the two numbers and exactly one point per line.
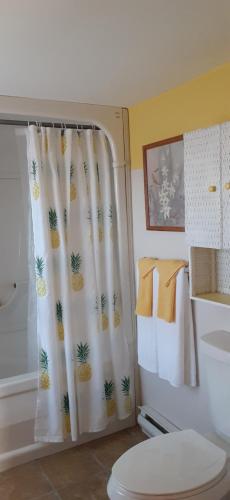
x=18, y=343
x=17, y=348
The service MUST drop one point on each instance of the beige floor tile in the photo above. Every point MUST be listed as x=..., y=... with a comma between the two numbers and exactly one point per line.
x=69, y=467
x=80, y=473
x=49, y=496
x=109, y=449
x=26, y=482
x=94, y=489
x=135, y=436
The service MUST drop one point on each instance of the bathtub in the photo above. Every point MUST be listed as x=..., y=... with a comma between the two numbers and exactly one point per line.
x=17, y=413
x=17, y=410
x=18, y=393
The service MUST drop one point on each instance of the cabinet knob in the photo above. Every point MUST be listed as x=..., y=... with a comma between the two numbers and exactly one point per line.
x=227, y=186
x=212, y=189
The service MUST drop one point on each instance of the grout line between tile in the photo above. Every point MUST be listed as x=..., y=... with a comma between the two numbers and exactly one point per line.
x=45, y=495
x=47, y=478
x=54, y=491
x=57, y=494
x=97, y=460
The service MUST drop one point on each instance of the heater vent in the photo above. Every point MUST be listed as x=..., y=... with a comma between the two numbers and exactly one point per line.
x=153, y=423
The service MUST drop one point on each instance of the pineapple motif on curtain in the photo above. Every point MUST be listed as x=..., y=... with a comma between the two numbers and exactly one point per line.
x=84, y=361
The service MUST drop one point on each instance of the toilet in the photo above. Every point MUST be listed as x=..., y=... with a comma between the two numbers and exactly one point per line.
x=184, y=464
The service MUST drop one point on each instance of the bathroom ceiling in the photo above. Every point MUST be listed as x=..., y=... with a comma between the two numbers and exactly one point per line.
x=114, y=52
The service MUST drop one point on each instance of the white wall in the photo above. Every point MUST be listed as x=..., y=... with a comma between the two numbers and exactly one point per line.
x=185, y=407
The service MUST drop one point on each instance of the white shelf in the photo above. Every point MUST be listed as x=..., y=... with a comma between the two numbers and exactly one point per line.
x=210, y=275
x=217, y=299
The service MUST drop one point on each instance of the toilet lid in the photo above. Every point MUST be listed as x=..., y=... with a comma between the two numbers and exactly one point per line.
x=170, y=465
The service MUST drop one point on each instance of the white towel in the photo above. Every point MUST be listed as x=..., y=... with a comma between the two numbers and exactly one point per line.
x=168, y=349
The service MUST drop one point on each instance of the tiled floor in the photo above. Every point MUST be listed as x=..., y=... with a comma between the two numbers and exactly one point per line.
x=79, y=473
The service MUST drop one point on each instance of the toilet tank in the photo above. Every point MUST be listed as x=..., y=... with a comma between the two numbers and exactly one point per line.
x=215, y=347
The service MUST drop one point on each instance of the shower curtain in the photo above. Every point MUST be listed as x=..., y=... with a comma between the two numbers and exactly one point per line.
x=85, y=378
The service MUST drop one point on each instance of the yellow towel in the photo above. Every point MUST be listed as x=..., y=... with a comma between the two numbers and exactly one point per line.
x=144, y=305
x=167, y=270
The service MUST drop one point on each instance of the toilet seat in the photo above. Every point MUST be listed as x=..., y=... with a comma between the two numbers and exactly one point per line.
x=172, y=466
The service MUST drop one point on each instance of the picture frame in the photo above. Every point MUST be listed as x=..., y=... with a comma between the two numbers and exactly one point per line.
x=163, y=163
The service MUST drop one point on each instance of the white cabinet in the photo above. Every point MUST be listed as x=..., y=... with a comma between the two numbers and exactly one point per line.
x=207, y=212
x=207, y=186
x=225, y=173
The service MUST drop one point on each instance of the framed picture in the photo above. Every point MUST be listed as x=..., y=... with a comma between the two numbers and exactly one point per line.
x=164, y=184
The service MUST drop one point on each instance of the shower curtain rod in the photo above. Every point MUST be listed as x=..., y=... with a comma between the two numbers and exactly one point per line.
x=25, y=123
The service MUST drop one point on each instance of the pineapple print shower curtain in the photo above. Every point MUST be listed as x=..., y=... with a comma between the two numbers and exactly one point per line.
x=84, y=360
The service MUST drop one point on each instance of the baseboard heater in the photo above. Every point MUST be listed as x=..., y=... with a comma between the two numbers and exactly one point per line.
x=153, y=423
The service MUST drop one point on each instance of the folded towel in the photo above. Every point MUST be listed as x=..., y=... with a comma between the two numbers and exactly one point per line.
x=167, y=270
x=144, y=305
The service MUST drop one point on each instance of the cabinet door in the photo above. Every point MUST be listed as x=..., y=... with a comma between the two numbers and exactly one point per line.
x=225, y=156
x=202, y=165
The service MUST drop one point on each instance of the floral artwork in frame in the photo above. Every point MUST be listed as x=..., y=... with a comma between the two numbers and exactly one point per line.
x=164, y=184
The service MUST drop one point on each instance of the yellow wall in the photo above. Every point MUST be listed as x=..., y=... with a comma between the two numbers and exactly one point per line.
x=198, y=103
